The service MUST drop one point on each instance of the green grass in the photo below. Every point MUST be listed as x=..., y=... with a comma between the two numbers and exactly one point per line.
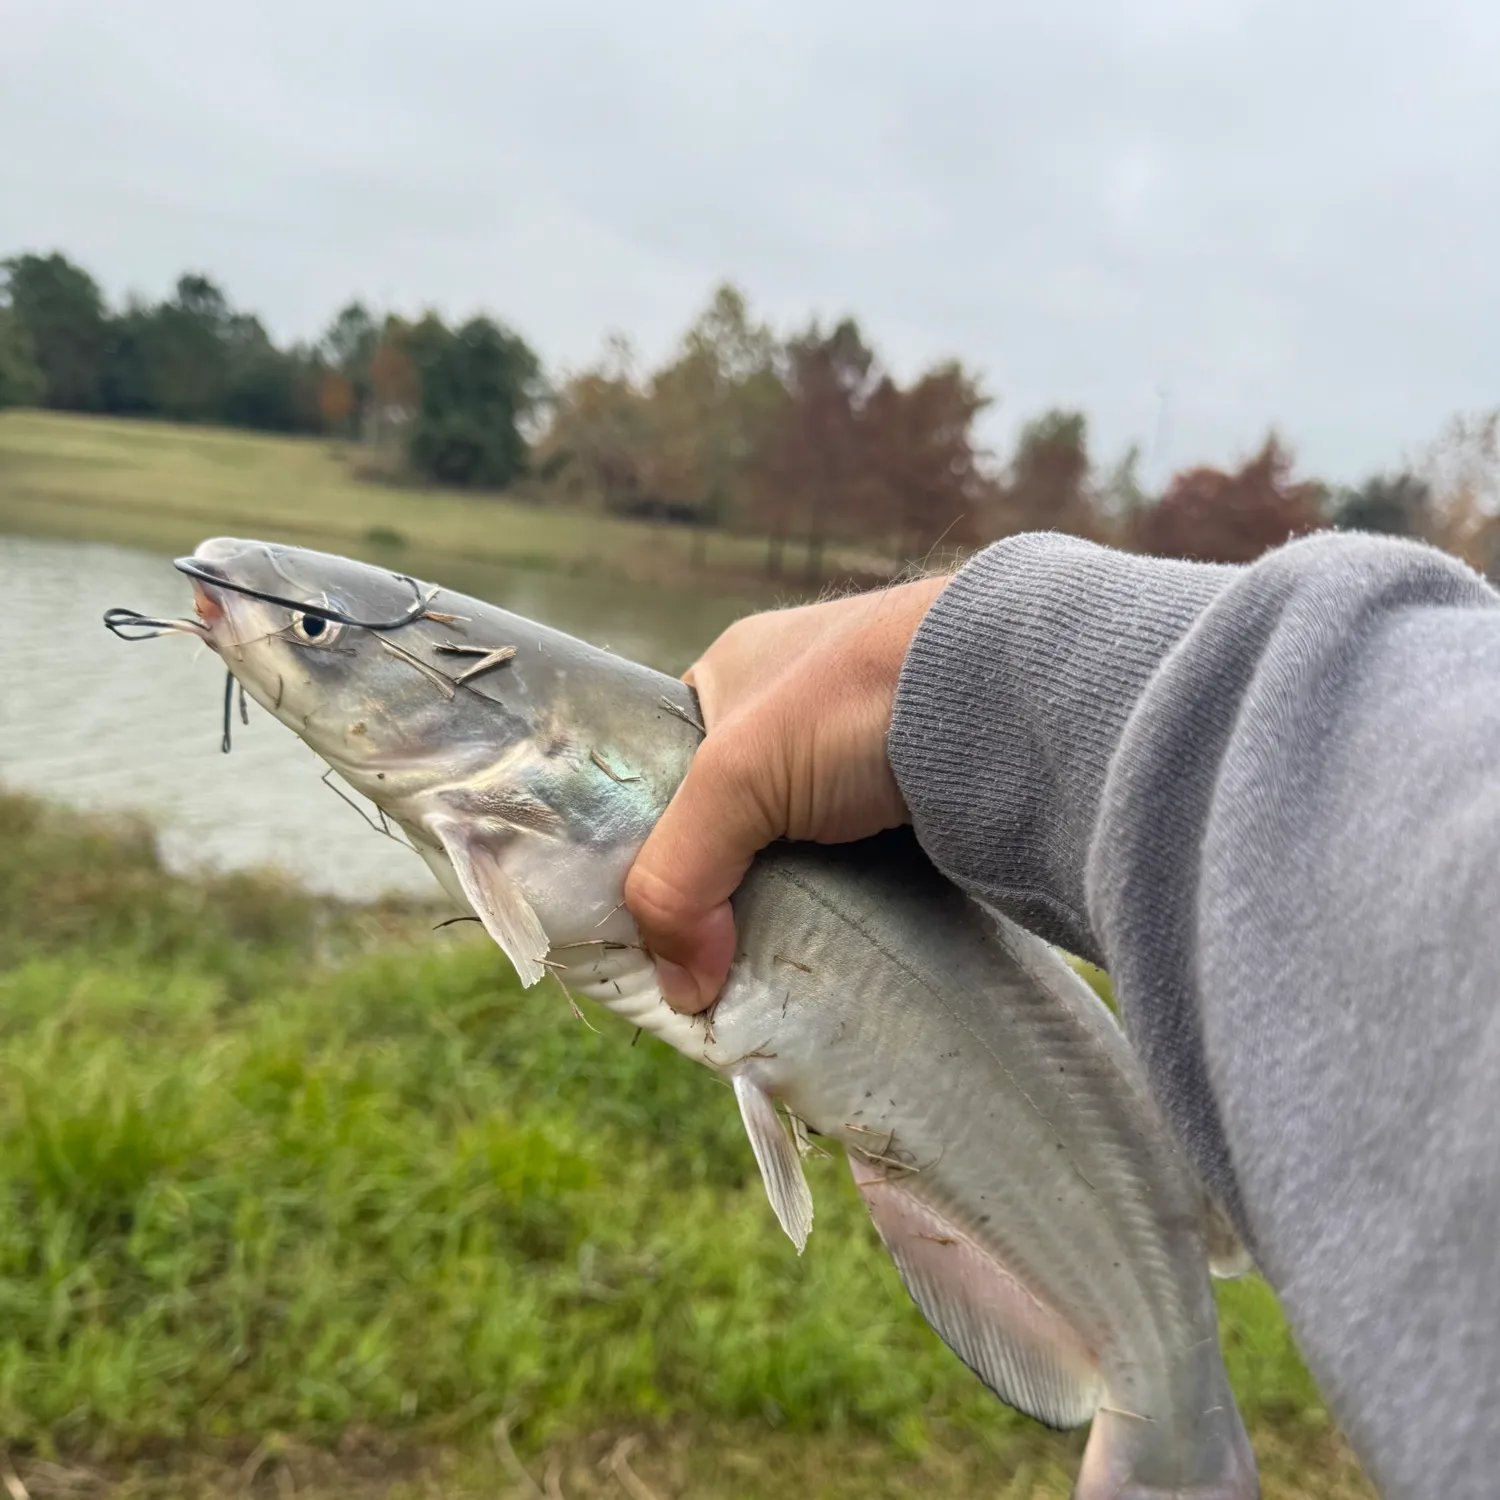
x=165, y=486
x=310, y=1188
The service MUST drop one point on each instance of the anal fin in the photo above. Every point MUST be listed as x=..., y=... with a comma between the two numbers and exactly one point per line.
x=1022, y=1350
x=1227, y=1255
x=776, y=1154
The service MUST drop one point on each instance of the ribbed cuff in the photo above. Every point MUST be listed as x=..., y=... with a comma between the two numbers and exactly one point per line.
x=1014, y=695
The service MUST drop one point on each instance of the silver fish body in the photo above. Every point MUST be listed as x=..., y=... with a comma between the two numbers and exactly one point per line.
x=995, y=1120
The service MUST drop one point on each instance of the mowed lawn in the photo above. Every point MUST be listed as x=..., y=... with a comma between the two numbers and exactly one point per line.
x=167, y=486
x=301, y=1198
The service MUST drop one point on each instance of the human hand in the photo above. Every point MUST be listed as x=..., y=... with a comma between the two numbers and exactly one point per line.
x=797, y=703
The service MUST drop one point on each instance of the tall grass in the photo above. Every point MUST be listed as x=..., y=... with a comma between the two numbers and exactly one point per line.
x=272, y=1164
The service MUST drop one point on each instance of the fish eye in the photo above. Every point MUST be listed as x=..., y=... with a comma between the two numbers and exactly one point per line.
x=314, y=630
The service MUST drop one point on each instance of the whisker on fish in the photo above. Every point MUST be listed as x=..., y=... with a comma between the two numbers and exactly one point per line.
x=131, y=625
x=382, y=827
x=229, y=685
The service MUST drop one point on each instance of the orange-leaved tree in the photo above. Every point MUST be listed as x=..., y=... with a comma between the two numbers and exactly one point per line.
x=1208, y=515
x=812, y=464
x=924, y=484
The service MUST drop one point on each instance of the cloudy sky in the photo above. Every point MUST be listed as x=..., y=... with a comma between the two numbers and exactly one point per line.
x=1192, y=218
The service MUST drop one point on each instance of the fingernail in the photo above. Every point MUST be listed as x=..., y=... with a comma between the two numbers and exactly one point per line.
x=678, y=988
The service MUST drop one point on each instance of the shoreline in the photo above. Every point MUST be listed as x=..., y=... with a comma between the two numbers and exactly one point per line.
x=165, y=485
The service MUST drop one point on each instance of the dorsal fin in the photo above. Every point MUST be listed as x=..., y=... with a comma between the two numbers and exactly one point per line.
x=1022, y=1350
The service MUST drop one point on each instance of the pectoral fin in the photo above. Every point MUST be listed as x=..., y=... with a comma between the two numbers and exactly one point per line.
x=780, y=1166
x=497, y=900
x=1020, y=1348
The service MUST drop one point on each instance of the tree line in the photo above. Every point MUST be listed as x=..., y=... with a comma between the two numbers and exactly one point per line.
x=805, y=439
x=455, y=396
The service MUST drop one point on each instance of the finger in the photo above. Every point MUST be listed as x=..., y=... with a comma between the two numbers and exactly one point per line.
x=679, y=886
x=694, y=985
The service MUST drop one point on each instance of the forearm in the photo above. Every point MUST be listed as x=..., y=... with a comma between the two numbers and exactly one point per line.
x=1014, y=696
x=1268, y=799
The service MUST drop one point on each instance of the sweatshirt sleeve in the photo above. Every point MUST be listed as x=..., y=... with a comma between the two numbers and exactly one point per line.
x=1267, y=799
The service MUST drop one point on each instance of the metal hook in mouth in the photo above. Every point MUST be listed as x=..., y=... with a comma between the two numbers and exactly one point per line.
x=213, y=576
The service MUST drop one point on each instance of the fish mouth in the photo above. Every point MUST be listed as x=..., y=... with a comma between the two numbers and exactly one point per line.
x=208, y=602
x=207, y=605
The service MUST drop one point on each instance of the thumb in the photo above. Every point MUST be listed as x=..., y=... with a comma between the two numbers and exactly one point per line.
x=678, y=888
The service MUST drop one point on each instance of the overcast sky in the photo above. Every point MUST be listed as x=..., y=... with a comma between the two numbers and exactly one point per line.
x=1278, y=213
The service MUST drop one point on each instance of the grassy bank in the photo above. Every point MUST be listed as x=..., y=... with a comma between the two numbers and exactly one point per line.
x=157, y=485
x=300, y=1196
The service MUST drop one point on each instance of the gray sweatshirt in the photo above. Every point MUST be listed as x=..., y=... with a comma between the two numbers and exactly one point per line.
x=1267, y=800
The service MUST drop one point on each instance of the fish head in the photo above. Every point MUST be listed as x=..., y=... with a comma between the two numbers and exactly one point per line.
x=361, y=663
x=525, y=766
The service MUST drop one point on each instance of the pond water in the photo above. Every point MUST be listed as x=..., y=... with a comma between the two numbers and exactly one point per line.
x=101, y=723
